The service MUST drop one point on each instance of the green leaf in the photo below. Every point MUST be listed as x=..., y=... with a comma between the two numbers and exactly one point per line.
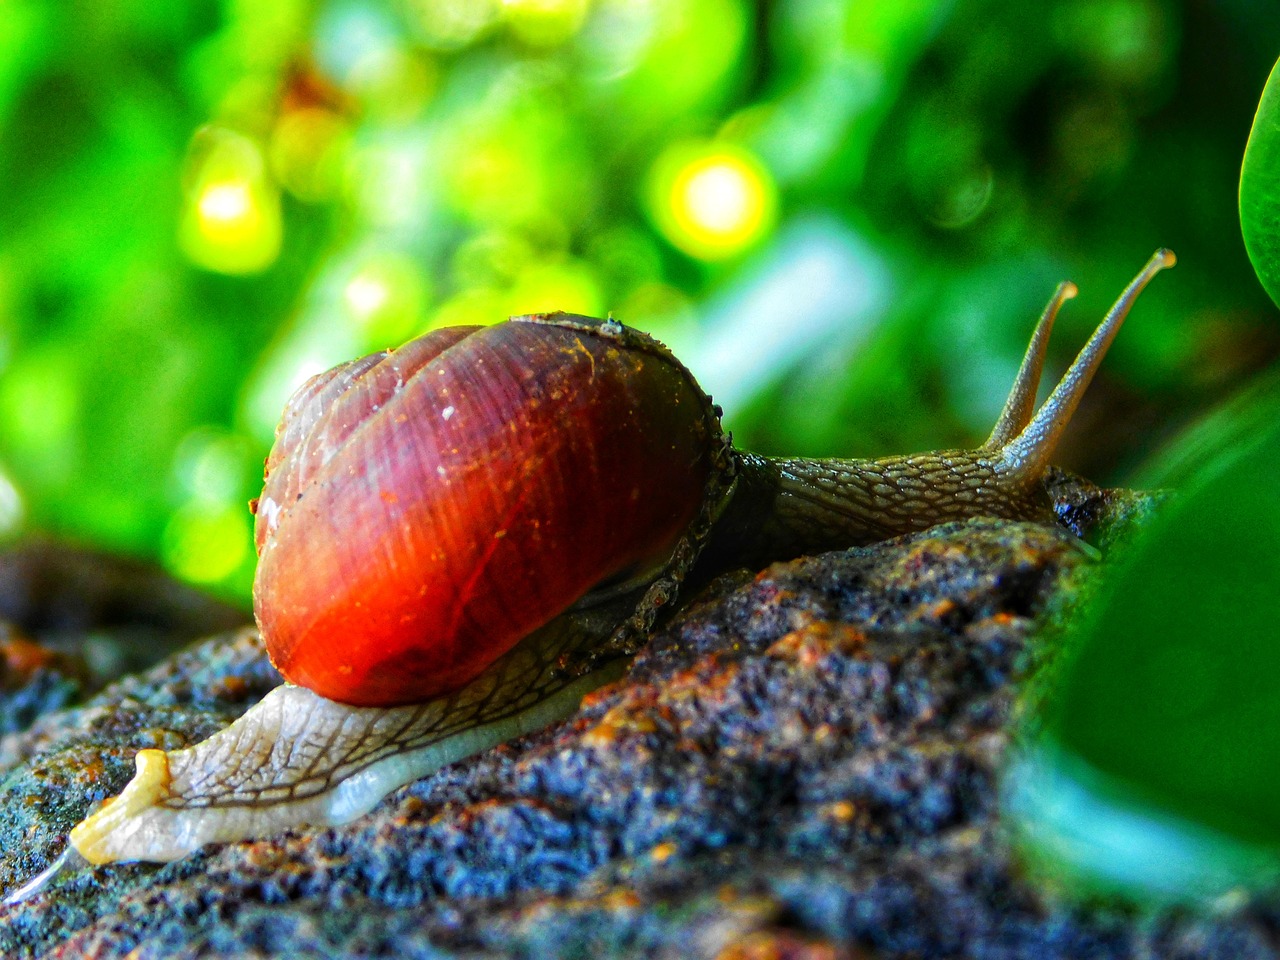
x=1157, y=766
x=1260, y=189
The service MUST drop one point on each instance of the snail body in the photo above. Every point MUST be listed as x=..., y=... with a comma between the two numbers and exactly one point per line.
x=461, y=537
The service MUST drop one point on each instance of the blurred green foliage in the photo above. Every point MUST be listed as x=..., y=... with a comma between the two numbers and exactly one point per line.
x=847, y=213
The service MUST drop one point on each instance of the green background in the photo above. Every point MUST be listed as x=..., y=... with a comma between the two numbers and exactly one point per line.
x=201, y=203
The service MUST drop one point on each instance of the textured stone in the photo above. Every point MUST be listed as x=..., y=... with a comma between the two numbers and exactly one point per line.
x=802, y=764
x=71, y=619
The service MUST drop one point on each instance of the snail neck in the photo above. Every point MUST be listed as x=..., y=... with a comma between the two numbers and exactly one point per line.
x=787, y=506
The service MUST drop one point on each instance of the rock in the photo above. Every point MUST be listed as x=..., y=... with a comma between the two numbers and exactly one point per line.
x=72, y=619
x=801, y=764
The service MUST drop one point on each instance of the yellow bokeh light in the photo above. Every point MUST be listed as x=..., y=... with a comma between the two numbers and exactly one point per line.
x=232, y=223
x=544, y=22
x=225, y=206
x=206, y=543
x=712, y=200
x=570, y=286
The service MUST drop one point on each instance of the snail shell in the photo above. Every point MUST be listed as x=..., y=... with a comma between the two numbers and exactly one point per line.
x=427, y=507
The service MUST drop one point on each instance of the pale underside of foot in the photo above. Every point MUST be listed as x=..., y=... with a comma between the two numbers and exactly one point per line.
x=296, y=759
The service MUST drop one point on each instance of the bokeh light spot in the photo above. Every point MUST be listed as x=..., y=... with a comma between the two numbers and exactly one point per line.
x=719, y=198
x=12, y=510
x=544, y=23
x=570, y=286
x=224, y=205
x=232, y=223
x=308, y=150
x=384, y=298
x=450, y=24
x=214, y=466
x=366, y=294
x=205, y=543
x=712, y=201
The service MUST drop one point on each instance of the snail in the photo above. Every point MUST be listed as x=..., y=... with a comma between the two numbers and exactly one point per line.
x=459, y=538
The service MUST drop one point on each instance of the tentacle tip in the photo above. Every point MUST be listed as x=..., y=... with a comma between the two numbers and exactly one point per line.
x=1067, y=290
x=1165, y=257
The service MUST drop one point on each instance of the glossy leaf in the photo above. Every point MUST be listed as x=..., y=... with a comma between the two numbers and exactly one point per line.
x=1158, y=768
x=1260, y=189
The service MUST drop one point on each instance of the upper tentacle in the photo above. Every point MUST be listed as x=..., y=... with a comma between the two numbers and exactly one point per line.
x=1027, y=456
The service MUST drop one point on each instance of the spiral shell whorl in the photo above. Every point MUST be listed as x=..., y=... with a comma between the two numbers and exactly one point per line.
x=426, y=509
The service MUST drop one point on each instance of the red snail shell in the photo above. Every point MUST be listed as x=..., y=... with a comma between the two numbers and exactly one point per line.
x=427, y=507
